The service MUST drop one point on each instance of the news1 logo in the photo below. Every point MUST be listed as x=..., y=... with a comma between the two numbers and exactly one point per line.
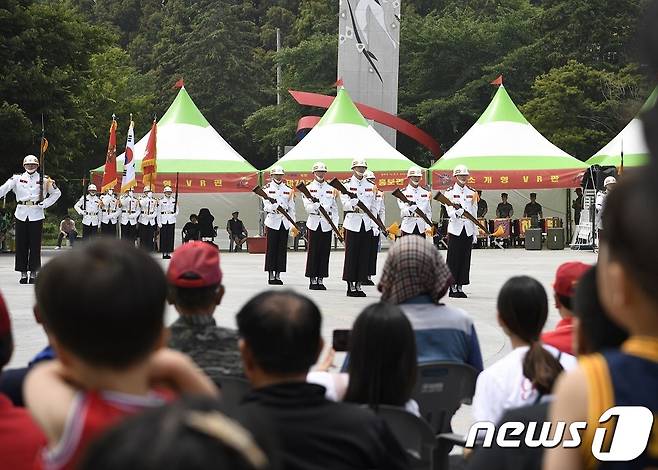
x=631, y=432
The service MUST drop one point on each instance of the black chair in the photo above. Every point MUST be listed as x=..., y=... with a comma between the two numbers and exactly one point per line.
x=441, y=388
x=233, y=389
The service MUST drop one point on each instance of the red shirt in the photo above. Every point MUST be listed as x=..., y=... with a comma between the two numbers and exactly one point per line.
x=20, y=438
x=561, y=336
x=92, y=413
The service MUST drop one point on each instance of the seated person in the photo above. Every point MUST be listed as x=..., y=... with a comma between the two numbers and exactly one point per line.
x=66, y=229
x=416, y=278
x=533, y=209
x=191, y=229
x=109, y=362
x=280, y=341
x=236, y=231
x=483, y=208
x=504, y=209
x=207, y=231
x=195, y=290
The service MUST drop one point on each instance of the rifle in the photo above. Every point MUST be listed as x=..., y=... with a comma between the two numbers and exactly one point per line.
x=176, y=197
x=260, y=192
x=400, y=195
x=84, y=194
x=447, y=202
x=42, y=150
x=304, y=190
x=335, y=183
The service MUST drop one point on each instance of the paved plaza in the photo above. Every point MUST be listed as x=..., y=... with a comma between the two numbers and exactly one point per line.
x=244, y=277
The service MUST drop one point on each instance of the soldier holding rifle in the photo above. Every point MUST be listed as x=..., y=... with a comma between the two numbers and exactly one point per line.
x=417, y=197
x=88, y=206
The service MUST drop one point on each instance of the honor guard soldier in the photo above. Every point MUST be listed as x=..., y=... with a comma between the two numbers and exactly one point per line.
x=318, y=229
x=110, y=212
x=419, y=197
x=599, y=203
x=167, y=222
x=277, y=225
x=29, y=215
x=130, y=211
x=358, y=228
x=147, y=220
x=88, y=207
x=379, y=211
x=462, y=233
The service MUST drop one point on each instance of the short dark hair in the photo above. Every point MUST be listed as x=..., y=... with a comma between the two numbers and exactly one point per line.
x=564, y=301
x=504, y=194
x=523, y=308
x=533, y=194
x=104, y=302
x=282, y=329
x=193, y=298
x=179, y=443
x=383, y=361
x=193, y=216
x=597, y=331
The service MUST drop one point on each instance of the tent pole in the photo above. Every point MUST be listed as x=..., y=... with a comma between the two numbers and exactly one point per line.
x=568, y=229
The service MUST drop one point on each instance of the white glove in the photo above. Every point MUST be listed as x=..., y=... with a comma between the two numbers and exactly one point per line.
x=459, y=212
x=275, y=208
x=412, y=209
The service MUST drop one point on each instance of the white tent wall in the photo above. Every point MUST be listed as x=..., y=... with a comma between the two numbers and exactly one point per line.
x=553, y=201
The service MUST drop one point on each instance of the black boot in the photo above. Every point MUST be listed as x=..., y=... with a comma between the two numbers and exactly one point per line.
x=320, y=285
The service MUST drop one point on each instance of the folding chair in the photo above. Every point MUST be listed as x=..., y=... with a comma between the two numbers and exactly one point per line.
x=441, y=388
x=233, y=389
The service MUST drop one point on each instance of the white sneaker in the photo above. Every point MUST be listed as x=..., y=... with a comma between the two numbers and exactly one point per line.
x=58, y=247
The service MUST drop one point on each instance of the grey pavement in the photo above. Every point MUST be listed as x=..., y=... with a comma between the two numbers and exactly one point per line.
x=244, y=277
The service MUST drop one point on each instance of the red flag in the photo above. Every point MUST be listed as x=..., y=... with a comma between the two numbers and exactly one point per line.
x=110, y=172
x=498, y=81
x=179, y=84
x=338, y=83
x=149, y=167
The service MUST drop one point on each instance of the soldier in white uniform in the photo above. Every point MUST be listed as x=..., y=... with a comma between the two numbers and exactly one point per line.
x=110, y=212
x=148, y=215
x=88, y=207
x=277, y=225
x=130, y=211
x=462, y=233
x=419, y=197
x=319, y=231
x=599, y=203
x=167, y=222
x=29, y=215
x=379, y=210
x=358, y=228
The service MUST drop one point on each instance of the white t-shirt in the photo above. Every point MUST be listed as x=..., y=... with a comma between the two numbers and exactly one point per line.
x=503, y=386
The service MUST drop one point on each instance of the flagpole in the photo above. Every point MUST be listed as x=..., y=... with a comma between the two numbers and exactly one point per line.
x=42, y=159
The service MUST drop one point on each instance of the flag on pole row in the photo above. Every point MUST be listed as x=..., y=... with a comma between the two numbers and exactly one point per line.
x=129, y=181
x=149, y=166
x=110, y=173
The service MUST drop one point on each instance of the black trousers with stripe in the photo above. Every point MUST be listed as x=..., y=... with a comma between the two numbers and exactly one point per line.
x=89, y=231
x=129, y=232
x=147, y=237
x=28, y=245
x=374, y=249
x=276, y=255
x=459, y=257
x=358, y=246
x=319, y=248
x=167, y=238
x=109, y=230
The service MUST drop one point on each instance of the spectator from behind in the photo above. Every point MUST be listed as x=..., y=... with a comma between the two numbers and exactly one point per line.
x=192, y=434
x=20, y=438
x=207, y=230
x=280, y=341
x=564, y=287
x=528, y=372
x=66, y=229
x=191, y=229
x=195, y=290
x=108, y=347
x=416, y=278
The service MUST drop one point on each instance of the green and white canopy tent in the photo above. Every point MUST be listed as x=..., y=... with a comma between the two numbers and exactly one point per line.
x=630, y=140
x=211, y=173
x=342, y=135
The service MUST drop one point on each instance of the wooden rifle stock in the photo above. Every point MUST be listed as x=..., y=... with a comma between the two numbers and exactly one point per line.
x=260, y=192
x=447, y=202
x=335, y=183
x=304, y=190
x=400, y=195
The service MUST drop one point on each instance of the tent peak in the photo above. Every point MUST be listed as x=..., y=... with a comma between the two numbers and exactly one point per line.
x=183, y=111
x=343, y=111
x=650, y=102
x=502, y=108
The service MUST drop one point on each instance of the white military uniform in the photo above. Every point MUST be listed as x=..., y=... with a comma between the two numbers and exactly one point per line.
x=421, y=198
x=365, y=192
x=91, y=213
x=599, y=203
x=466, y=197
x=168, y=210
x=327, y=196
x=148, y=211
x=130, y=209
x=110, y=209
x=27, y=189
x=283, y=195
x=379, y=209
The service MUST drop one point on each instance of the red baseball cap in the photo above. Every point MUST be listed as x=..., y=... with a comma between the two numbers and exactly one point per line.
x=567, y=276
x=5, y=323
x=195, y=264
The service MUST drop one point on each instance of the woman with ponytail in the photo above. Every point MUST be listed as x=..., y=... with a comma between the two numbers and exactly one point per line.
x=526, y=375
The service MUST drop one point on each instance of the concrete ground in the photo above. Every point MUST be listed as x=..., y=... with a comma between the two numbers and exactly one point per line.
x=244, y=277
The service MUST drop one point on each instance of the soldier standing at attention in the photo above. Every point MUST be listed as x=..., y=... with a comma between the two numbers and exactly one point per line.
x=148, y=207
x=167, y=222
x=461, y=231
x=109, y=211
x=29, y=215
x=412, y=223
x=277, y=225
x=379, y=211
x=319, y=231
x=88, y=207
x=130, y=211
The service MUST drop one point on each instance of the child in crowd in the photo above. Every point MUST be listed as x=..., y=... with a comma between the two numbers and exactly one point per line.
x=102, y=307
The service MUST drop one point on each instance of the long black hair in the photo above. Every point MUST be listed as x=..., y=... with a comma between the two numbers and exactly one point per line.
x=383, y=362
x=523, y=308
